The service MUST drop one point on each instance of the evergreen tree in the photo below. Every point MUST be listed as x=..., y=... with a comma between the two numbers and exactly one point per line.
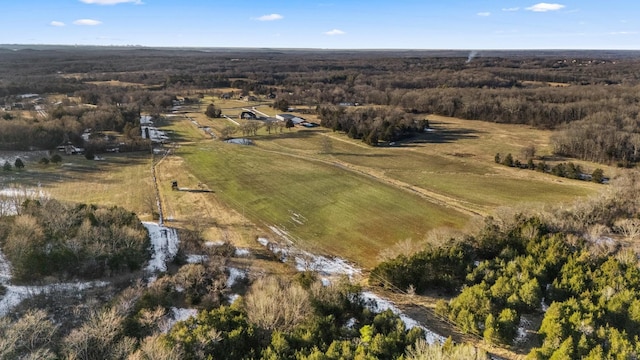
x=508, y=160
x=56, y=158
x=212, y=111
x=597, y=176
x=531, y=165
x=18, y=164
x=565, y=351
x=490, y=333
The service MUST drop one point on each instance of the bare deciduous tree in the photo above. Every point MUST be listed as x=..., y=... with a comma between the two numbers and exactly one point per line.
x=27, y=338
x=421, y=350
x=274, y=304
x=154, y=348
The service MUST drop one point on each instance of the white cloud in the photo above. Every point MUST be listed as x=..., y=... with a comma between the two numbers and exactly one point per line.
x=270, y=17
x=623, y=33
x=484, y=13
x=87, y=22
x=544, y=7
x=511, y=9
x=335, y=32
x=111, y=2
x=56, y=23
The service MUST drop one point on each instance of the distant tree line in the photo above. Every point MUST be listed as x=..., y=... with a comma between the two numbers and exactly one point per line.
x=578, y=93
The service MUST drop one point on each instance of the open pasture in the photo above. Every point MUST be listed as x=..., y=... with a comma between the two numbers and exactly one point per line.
x=355, y=200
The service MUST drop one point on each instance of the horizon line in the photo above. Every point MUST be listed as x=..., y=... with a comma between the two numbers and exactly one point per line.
x=308, y=48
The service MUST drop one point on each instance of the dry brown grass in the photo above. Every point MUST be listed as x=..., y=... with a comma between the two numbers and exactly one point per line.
x=121, y=179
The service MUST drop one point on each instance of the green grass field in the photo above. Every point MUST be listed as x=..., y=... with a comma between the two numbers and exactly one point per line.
x=322, y=207
x=357, y=200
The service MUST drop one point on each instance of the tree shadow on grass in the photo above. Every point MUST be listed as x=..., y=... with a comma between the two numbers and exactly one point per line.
x=300, y=134
x=438, y=135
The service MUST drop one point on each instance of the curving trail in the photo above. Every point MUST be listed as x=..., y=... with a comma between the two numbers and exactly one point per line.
x=431, y=196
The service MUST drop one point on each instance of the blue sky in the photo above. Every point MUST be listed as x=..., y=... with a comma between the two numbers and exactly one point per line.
x=374, y=24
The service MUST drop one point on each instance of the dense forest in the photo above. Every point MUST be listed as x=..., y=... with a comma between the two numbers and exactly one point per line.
x=563, y=266
x=590, y=98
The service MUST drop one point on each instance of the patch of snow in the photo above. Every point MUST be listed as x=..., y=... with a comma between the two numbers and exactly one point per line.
x=543, y=305
x=377, y=304
x=239, y=141
x=523, y=328
x=304, y=260
x=164, y=245
x=263, y=241
x=232, y=298
x=214, y=243
x=325, y=281
x=197, y=259
x=146, y=120
x=603, y=240
x=235, y=275
x=281, y=233
x=240, y=252
x=11, y=198
x=297, y=218
x=325, y=265
x=11, y=156
x=178, y=314
x=5, y=269
x=350, y=323
x=16, y=294
x=30, y=192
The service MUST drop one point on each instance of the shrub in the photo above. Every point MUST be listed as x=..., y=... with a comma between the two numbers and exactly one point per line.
x=56, y=159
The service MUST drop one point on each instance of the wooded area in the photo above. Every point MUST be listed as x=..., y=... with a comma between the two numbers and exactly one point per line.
x=588, y=97
x=563, y=267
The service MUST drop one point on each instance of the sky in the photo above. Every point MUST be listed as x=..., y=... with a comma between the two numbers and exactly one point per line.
x=326, y=24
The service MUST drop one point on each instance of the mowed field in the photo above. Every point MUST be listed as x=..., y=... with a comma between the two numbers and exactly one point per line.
x=354, y=200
